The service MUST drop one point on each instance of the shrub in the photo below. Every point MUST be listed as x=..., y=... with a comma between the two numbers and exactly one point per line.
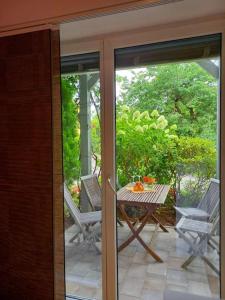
x=145, y=145
x=195, y=166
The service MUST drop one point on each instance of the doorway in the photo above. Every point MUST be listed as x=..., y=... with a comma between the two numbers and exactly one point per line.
x=130, y=97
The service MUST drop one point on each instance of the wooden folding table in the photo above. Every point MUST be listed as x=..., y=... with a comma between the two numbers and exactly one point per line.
x=150, y=201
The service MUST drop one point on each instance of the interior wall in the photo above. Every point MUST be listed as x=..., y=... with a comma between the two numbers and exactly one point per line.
x=17, y=14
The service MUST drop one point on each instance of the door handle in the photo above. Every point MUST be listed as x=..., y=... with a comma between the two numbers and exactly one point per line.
x=111, y=186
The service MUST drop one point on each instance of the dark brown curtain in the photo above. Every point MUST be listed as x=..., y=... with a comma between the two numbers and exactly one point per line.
x=26, y=167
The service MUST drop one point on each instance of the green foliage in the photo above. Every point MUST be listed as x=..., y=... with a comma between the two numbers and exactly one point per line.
x=197, y=156
x=145, y=145
x=71, y=136
x=183, y=92
x=195, y=166
x=96, y=140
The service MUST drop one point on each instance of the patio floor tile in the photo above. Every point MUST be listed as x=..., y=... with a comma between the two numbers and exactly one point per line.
x=151, y=295
x=132, y=286
x=127, y=297
x=122, y=272
x=157, y=269
x=199, y=288
x=137, y=271
x=180, y=277
x=154, y=284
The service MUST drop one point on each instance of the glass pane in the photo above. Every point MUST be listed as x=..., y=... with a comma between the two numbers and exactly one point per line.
x=82, y=174
x=167, y=154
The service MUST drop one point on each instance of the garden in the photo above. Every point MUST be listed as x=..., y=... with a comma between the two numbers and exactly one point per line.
x=166, y=115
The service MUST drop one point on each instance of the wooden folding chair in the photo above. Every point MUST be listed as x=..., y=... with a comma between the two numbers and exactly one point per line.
x=201, y=235
x=88, y=224
x=206, y=205
x=93, y=191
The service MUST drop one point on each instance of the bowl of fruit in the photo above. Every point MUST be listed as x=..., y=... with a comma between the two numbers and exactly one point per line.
x=149, y=180
x=138, y=187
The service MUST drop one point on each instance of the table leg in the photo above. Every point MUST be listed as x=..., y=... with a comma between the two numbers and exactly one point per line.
x=136, y=233
x=157, y=222
x=131, y=225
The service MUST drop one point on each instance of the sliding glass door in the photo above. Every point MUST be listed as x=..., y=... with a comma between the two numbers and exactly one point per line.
x=81, y=118
x=168, y=169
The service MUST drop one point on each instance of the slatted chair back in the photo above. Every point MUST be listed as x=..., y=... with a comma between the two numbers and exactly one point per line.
x=93, y=190
x=216, y=224
x=215, y=212
x=211, y=198
x=215, y=219
x=74, y=211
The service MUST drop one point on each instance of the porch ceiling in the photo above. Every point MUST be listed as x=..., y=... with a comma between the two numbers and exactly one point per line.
x=167, y=13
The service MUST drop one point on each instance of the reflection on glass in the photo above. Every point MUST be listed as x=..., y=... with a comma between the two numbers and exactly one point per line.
x=82, y=174
x=167, y=131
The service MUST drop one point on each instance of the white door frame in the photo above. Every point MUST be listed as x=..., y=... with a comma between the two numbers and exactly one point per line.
x=162, y=34
x=109, y=258
x=107, y=44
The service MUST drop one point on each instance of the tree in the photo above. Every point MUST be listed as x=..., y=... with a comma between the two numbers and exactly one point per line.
x=183, y=92
x=70, y=123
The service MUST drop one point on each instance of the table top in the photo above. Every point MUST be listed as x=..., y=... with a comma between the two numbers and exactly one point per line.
x=155, y=197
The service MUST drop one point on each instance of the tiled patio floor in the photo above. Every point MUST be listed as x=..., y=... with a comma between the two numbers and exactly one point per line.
x=140, y=277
